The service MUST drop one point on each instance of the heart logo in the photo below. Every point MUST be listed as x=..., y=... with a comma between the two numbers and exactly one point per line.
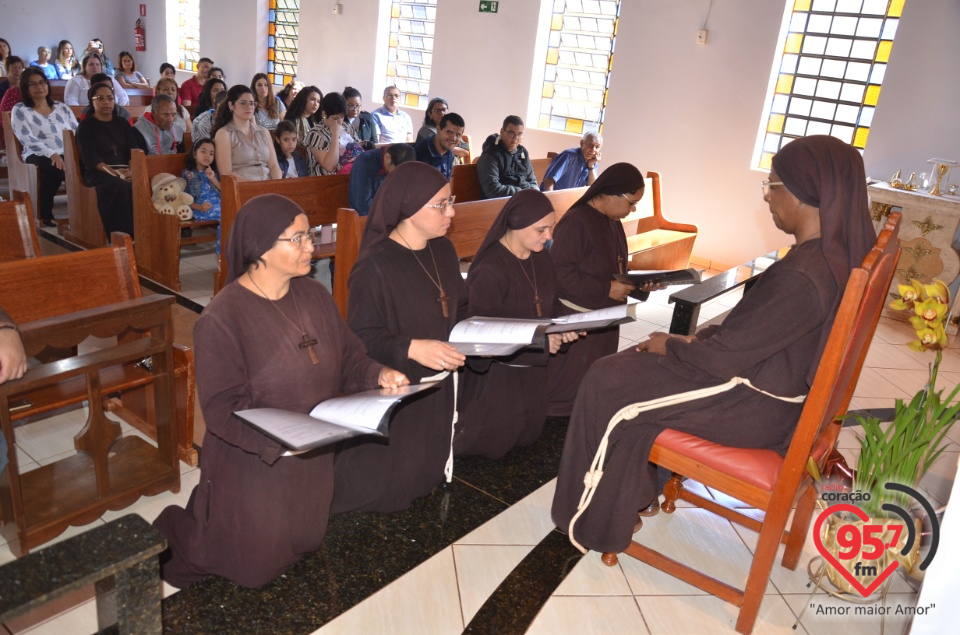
x=829, y=557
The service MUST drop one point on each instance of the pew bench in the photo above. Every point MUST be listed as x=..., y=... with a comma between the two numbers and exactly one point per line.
x=18, y=229
x=85, y=228
x=465, y=182
x=654, y=242
x=21, y=176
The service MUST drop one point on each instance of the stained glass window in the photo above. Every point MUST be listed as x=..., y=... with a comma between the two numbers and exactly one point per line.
x=410, y=50
x=579, y=60
x=832, y=58
x=283, y=41
x=189, y=34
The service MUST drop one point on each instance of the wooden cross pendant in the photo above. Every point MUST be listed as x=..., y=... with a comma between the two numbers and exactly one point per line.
x=443, y=303
x=113, y=148
x=536, y=301
x=308, y=343
x=620, y=263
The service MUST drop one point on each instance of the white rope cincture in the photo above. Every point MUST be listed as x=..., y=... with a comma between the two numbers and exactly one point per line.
x=592, y=478
x=448, y=468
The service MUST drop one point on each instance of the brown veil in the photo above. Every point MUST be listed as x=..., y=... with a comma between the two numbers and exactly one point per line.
x=259, y=223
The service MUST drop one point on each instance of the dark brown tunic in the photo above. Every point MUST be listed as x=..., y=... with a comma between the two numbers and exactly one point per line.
x=504, y=401
x=770, y=338
x=391, y=302
x=588, y=249
x=254, y=513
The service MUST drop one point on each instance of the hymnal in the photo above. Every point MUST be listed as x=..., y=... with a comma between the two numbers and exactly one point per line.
x=664, y=277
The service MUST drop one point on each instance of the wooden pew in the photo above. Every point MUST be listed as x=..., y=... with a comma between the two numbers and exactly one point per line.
x=139, y=96
x=654, y=242
x=319, y=196
x=135, y=111
x=57, y=86
x=23, y=177
x=540, y=168
x=18, y=229
x=158, y=255
x=464, y=183
x=58, y=302
x=86, y=228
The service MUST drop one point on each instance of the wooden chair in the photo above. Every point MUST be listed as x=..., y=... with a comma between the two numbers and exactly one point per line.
x=654, y=242
x=21, y=176
x=18, y=230
x=86, y=228
x=58, y=302
x=762, y=478
x=158, y=257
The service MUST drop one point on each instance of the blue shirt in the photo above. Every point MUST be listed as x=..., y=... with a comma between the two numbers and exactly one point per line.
x=393, y=127
x=567, y=170
x=366, y=175
x=427, y=153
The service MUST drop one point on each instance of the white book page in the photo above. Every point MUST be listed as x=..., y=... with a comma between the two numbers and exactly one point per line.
x=363, y=410
x=495, y=331
x=611, y=313
x=483, y=349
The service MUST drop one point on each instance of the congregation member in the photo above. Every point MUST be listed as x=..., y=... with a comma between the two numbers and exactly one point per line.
x=66, y=63
x=13, y=365
x=190, y=91
x=437, y=107
x=43, y=62
x=289, y=92
x=511, y=276
x=270, y=109
x=258, y=510
x=774, y=338
x=360, y=119
x=394, y=125
x=243, y=148
x=118, y=111
x=181, y=120
x=216, y=72
x=203, y=124
x=589, y=248
x=575, y=167
x=406, y=294
x=292, y=163
x=105, y=142
x=437, y=149
x=157, y=129
x=211, y=88
x=127, y=74
x=203, y=182
x=95, y=46
x=304, y=112
x=371, y=168
x=333, y=146
x=504, y=167
x=38, y=122
x=4, y=53
x=76, y=89
x=168, y=71
x=10, y=94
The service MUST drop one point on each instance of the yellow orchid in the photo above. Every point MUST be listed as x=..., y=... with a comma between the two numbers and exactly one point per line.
x=930, y=310
x=930, y=339
x=909, y=293
x=929, y=303
x=937, y=291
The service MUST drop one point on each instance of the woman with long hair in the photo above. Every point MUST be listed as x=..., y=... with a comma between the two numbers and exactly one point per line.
x=243, y=148
x=304, y=111
x=210, y=89
x=127, y=73
x=270, y=109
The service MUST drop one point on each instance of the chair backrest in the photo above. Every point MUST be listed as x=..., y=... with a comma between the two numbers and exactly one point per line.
x=57, y=86
x=18, y=233
x=143, y=168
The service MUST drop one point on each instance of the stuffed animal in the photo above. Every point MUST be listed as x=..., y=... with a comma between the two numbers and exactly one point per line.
x=169, y=197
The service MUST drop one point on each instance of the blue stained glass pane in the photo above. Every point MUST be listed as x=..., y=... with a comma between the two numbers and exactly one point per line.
x=270, y=42
x=273, y=15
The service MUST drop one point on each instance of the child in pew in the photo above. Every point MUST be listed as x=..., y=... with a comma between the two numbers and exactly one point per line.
x=203, y=182
x=292, y=163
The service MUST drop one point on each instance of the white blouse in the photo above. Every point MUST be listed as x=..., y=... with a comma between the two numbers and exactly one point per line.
x=41, y=135
x=75, y=92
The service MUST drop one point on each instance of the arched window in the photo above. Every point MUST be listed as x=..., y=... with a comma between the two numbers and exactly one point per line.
x=410, y=49
x=189, y=34
x=283, y=41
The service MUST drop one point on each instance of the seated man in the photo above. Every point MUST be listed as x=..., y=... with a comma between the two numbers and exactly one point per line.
x=157, y=129
x=437, y=150
x=13, y=365
x=504, y=167
x=575, y=167
x=369, y=171
x=190, y=90
x=395, y=126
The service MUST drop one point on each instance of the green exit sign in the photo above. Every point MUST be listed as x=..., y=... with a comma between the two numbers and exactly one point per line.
x=489, y=7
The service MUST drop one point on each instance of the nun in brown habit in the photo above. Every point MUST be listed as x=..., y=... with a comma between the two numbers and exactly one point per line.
x=504, y=400
x=589, y=248
x=406, y=294
x=271, y=338
x=774, y=337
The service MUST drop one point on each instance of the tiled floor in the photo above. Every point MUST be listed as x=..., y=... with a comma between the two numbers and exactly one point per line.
x=444, y=593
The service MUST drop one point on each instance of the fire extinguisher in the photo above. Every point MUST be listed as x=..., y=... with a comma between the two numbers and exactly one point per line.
x=140, y=36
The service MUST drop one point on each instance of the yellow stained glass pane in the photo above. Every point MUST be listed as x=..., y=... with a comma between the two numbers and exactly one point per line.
x=895, y=9
x=395, y=11
x=575, y=126
x=271, y=76
x=271, y=55
x=544, y=121
x=775, y=124
x=794, y=40
x=411, y=100
x=393, y=40
x=391, y=69
x=883, y=51
x=784, y=84
x=556, y=23
x=553, y=56
x=766, y=160
x=547, y=90
x=860, y=138
x=801, y=5
x=873, y=93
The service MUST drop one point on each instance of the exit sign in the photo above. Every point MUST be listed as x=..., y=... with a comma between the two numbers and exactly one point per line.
x=489, y=7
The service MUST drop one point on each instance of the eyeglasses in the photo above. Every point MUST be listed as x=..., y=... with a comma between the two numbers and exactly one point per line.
x=298, y=240
x=512, y=134
x=104, y=98
x=442, y=205
x=42, y=82
x=766, y=185
x=245, y=104
x=440, y=109
x=632, y=202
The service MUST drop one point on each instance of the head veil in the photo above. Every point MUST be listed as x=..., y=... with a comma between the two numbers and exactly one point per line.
x=619, y=178
x=523, y=209
x=259, y=223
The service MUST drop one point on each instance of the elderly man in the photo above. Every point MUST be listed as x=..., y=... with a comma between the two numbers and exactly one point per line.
x=369, y=171
x=395, y=126
x=504, y=167
x=575, y=167
x=437, y=150
x=157, y=129
x=190, y=90
x=13, y=365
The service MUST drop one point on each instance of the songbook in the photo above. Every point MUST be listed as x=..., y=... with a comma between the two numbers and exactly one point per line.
x=333, y=420
x=665, y=277
x=497, y=337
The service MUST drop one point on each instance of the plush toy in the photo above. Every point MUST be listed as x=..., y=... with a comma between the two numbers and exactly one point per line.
x=169, y=197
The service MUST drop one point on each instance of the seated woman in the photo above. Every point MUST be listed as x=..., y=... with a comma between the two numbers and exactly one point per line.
x=360, y=119
x=39, y=122
x=4, y=53
x=66, y=63
x=505, y=399
x=128, y=75
x=258, y=510
x=304, y=112
x=105, y=142
x=270, y=109
x=169, y=87
x=43, y=62
x=289, y=92
x=774, y=337
x=208, y=94
x=244, y=149
x=589, y=247
x=79, y=84
x=406, y=294
x=333, y=145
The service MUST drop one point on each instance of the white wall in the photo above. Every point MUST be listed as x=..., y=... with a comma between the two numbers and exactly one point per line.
x=688, y=111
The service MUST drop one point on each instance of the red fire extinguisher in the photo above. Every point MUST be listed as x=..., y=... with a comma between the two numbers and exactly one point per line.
x=140, y=36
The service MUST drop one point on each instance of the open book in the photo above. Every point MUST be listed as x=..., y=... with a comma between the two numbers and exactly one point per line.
x=495, y=337
x=332, y=420
x=665, y=277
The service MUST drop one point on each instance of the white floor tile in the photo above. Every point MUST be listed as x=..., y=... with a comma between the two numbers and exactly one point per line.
x=641, y=328
x=592, y=577
x=589, y=616
x=849, y=622
x=50, y=437
x=708, y=614
x=480, y=570
x=149, y=507
x=525, y=523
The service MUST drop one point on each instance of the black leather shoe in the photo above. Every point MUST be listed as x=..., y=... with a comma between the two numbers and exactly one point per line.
x=47, y=223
